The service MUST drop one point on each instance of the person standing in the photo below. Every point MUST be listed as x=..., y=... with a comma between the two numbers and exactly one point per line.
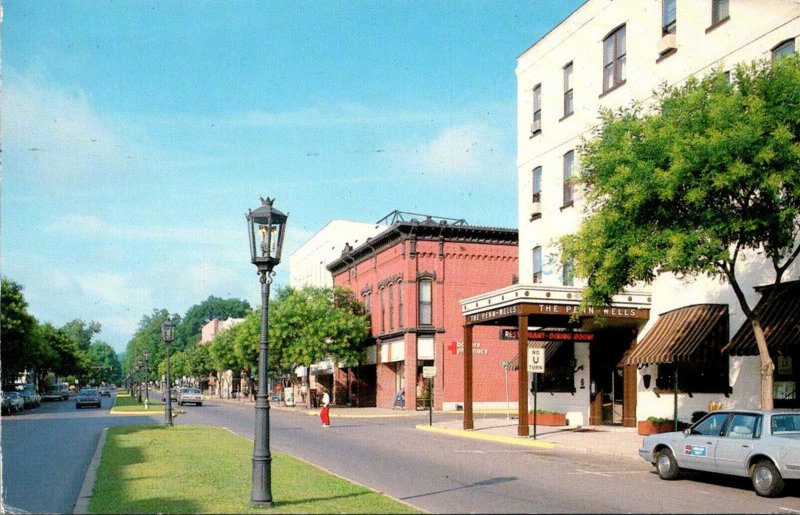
x=324, y=414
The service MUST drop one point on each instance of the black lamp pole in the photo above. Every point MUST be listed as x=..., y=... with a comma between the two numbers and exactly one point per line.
x=269, y=223
x=166, y=335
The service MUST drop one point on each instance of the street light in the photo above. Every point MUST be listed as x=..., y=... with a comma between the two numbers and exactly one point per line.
x=166, y=336
x=269, y=224
x=146, y=355
x=138, y=381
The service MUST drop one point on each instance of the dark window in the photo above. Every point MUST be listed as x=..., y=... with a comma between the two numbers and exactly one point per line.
x=391, y=307
x=537, y=265
x=783, y=49
x=568, y=273
x=614, y=59
x=399, y=304
x=569, y=178
x=568, y=108
x=559, y=370
x=537, y=184
x=425, y=302
x=668, y=18
x=694, y=377
x=536, y=126
x=719, y=11
x=383, y=310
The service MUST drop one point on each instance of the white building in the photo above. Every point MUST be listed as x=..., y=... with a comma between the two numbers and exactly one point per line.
x=610, y=53
x=307, y=263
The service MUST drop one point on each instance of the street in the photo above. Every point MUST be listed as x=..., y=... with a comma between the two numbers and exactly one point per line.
x=46, y=453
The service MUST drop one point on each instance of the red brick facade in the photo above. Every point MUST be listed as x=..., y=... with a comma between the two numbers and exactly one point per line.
x=455, y=262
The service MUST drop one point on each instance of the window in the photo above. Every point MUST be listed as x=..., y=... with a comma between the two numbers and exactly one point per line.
x=712, y=425
x=569, y=178
x=783, y=49
x=568, y=90
x=559, y=374
x=719, y=11
x=614, y=59
x=744, y=425
x=391, y=307
x=383, y=310
x=400, y=305
x=568, y=273
x=536, y=127
x=668, y=18
x=537, y=265
x=694, y=377
x=425, y=304
x=537, y=184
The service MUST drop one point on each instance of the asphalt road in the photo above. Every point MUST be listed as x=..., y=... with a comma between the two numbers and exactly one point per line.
x=446, y=474
x=47, y=450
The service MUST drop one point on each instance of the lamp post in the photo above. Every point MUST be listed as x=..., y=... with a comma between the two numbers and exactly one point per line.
x=269, y=224
x=138, y=382
x=166, y=336
x=146, y=355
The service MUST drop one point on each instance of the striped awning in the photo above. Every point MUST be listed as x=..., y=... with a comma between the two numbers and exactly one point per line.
x=780, y=319
x=550, y=349
x=690, y=333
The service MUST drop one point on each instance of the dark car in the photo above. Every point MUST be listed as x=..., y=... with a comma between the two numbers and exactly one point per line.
x=88, y=397
x=173, y=394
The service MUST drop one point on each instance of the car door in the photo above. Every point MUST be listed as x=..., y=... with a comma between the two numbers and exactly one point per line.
x=736, y=444
x=700, y=445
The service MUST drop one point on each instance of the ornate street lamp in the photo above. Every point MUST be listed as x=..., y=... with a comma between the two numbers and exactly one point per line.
x=138, y=381
x=265, y=228
x=166, y=336
x=146, y=355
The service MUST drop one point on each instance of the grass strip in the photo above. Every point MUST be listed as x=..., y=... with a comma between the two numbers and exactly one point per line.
x=125, y=403
x=202, y=469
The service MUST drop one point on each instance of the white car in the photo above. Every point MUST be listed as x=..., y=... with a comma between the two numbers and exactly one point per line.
x=190, y=396
x=762, y=445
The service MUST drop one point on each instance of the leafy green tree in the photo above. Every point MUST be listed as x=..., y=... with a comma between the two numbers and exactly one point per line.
x=82, y=332
x=148, y=338
x=707, y=180
x=187, y=333
x=104, y=365
x=22, y=345
x=222, y=353
x=314, y=324
x=67, y=359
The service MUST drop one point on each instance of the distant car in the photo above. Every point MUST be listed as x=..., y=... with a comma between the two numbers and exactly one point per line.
x=56, y=393
x=173, y=394
x=12, y=403
x=761, y=445
x=88, y=397
x=190, y=396
x=30, y=396
x=104, y=391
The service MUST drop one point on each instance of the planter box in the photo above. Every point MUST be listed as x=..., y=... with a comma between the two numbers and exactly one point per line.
x=645, y=427
x=548, y=419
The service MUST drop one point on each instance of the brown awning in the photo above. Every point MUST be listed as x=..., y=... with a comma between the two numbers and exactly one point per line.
x=690, y=333
x=550, y=349
x=780, y=319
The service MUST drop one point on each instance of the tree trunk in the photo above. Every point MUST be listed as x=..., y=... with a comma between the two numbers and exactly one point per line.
x=767, y=366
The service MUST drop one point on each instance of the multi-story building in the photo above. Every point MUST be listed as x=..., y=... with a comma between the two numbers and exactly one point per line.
x=607, y=54
x=410, y=277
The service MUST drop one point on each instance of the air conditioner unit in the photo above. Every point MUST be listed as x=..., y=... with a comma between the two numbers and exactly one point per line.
x=536, y=210
x=667, y=44
x=536, y=126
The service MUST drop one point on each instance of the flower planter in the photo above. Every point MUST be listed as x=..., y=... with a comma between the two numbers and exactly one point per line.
x=645, y=427
x=548, y=419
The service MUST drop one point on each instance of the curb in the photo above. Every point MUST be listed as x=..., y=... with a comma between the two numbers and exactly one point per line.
x=82, y=504
x=528, y=442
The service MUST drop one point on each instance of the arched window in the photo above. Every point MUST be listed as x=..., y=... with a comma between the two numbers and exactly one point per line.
x=425, y=302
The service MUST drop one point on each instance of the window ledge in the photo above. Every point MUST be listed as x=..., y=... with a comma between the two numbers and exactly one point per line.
x=666, y=54
x=536, y=217
x=535, y=133
x=715, y=25
x=566, y=116
x=611, y=89
x=567, y=205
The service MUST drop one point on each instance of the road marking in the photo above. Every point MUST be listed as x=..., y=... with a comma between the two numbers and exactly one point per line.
x=790, y=510
x=591, y=472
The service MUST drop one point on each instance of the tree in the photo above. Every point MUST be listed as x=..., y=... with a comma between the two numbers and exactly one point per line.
x=708, y=179
x=148, y=338
x=66, y=359
x=314, y=324
x=104, y=365
x=187, y=333
x=22, y=343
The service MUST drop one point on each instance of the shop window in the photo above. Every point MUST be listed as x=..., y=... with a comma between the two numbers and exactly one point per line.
x=425, y=302
x=559, y=375
x=614, y=59
x=694, y=377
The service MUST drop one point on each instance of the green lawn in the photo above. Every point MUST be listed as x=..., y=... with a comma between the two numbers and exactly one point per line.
x=125, y=403
x=200, y=469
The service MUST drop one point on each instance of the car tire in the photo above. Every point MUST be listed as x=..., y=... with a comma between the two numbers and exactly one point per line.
x=199, y=403
x=767, y=479
x=667, y=465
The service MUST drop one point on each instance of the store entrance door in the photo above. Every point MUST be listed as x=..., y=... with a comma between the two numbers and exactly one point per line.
x=607, y=384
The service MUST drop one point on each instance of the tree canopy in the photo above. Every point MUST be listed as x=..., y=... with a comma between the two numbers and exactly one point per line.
x=187, y=334
x=707, y=179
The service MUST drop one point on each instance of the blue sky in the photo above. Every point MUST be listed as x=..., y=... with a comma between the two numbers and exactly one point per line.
x=136, y=134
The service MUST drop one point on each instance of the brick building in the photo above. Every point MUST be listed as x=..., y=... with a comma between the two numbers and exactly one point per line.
x=411, y=277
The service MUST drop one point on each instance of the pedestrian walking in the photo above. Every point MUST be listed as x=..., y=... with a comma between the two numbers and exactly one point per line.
x=324, y=414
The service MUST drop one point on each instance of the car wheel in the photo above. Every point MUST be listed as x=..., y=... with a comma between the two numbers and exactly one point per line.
x=199, y=403
x=666, y=465
x=767, y=480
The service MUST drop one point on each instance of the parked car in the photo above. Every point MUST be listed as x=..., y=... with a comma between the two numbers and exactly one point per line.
x=105, y=391
x=190, y=396
x=30, y=396
x=12, y=403
x=88, y=397
x=173, y=394
x=56, y=393
x=762, y=445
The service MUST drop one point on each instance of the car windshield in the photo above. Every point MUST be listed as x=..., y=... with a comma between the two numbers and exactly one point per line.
x=88, y=392
x=191, y=390
x=785, y=423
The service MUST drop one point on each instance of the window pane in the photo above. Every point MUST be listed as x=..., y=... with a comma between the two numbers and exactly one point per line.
x=425, y=311
x=621, y=42
x=537, y=264
x=784, y=49
x=668, y=17
x=537, y=180
x=719, y=10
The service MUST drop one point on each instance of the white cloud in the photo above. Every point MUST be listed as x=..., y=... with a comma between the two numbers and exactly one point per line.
x=114, y=289
x=467, y=150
